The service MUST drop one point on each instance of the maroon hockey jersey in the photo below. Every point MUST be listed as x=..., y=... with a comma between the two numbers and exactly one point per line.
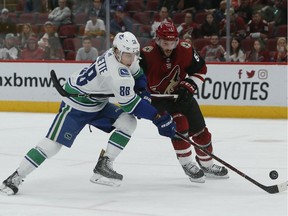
x=165, y=73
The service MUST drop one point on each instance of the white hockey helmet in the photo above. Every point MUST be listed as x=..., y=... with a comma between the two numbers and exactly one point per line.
x=126, y=42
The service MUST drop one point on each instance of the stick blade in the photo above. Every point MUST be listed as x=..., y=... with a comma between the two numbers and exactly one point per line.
x=283, y=186
x=276, y=188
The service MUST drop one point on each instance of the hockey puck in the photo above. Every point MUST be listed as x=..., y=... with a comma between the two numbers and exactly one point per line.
x=273, y=174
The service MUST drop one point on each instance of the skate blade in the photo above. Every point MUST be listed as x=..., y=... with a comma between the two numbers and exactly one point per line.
x=197, y=180
x=212, y=176
x=99, y=179
x=4, y=190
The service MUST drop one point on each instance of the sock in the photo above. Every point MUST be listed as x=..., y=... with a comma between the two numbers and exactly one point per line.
x=185, y=160
x=31, y=161
x=117, y=142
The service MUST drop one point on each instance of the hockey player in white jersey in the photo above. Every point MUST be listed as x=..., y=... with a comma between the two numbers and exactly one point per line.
x=115, y=72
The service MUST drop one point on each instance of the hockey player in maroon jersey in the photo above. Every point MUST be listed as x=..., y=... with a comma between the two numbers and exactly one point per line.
x=174, y=67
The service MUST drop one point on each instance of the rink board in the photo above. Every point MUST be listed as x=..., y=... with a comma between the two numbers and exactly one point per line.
x=209, y=111
x=230, y=90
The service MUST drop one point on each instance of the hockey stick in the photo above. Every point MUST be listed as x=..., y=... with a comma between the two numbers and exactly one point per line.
x=64, y=93
x=270, y=189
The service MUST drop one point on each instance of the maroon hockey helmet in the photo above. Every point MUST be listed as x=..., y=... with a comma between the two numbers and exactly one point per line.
x=167, y=31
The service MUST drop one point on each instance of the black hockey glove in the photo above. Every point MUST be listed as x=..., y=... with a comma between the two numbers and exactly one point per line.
x=165, y=124
x=186, y=91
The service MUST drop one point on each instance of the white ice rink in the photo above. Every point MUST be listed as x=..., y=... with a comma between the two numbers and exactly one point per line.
x=154, y=183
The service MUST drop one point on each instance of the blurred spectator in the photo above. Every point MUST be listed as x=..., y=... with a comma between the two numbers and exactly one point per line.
x=82, y=6
x=25, y=34
x=99, y=9
x=237, y=54
x=6, y=25
x=280, y=13
x=219, y=13
x=237, y=25
x=51, y=5
x=95, y=27
x=186, y=5
x=245, y=10
x=9, y=51
x=32, y=51
x=257, y=27
x=187, y=37
x=258, y=52
x=171, y=6
x=214, y=52
x=281, y=53
x=50, y=32
x=54, y=49
x=215, y=3
x=33, y=6
x=115, y=3
x=209, y=27
x=87, y=52
x=268, y=11
x=194, y=6
x=120, y=22
x=60, y=15
x=163, y=16
x=235, y=3
x=258, y=5
x=188, y=26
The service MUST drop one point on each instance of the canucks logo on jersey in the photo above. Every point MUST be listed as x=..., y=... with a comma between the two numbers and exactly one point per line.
x=123, y=72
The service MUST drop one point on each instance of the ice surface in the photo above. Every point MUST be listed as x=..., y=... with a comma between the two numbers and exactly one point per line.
x=154, y=183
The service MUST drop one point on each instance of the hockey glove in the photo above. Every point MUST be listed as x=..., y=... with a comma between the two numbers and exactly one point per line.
x=186, y=90
x=165, y=124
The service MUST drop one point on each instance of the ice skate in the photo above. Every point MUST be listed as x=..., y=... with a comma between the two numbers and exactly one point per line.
x=104, y=173
x=11, y=184
x=195, y=174
x=214, y=171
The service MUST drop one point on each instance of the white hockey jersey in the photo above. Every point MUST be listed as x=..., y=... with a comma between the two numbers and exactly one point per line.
x=104, y=76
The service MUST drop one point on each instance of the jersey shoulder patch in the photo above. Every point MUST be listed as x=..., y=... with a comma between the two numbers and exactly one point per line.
x=185, y=44
x=123, y=72
x=147, y=49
